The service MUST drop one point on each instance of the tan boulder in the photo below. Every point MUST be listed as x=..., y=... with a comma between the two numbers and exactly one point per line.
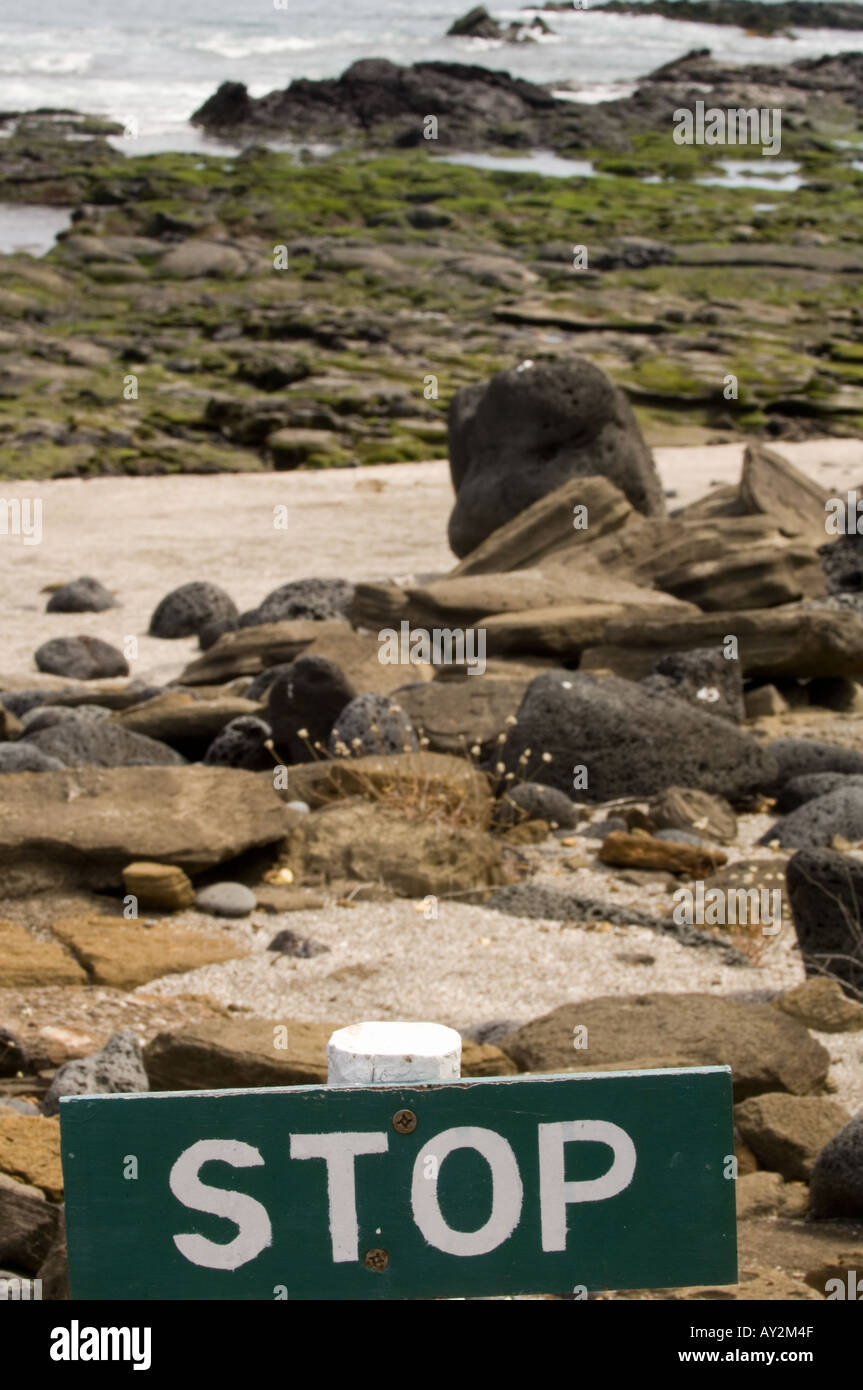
x=764, y=702
x=691, y=1029
x=823, y=1006
x=787, y=1133
x=371, y=843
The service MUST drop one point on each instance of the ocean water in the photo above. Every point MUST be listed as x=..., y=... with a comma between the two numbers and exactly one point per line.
x=150, y=63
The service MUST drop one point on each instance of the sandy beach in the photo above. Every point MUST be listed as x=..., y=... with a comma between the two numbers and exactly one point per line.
x=143, y=537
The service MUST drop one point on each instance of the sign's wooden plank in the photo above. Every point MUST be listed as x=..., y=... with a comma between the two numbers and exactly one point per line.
x=494, y=1186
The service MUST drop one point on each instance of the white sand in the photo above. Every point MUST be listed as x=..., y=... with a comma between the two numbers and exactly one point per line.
x=144, y=536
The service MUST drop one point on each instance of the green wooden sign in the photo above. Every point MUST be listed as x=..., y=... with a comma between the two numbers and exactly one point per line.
x=540, y=1184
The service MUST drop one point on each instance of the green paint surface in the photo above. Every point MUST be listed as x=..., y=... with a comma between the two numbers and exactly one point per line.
x=672, y=1224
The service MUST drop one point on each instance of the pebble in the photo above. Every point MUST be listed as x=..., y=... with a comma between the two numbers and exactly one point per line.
x=226, y=900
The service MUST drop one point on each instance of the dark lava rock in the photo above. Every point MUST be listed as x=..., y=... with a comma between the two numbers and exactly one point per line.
x=21, y=757
x=754, y=16
x=796, y=757
x=84, y=595
x=290, y=944
x=598, y=829
x=264, y=680
x=842, y=562
x=702, y=677
x=309, y=697
x=13, y=1057
x=815, y=823
x=372, y=724
x=836, y=1185
x=116, y=1067
x=82, y=658
x=825, y=890
x=319, y=599
x=528, y=430
x=211, y=632
x=46, y=716
x=533, y=801
x=99, y=743
x=679, y=837
x=811, y=785
x=188, y=609
x=387, y=103
x=242, y=744
x=479, y=24
x=633, y=742
x=18, y=702
x=476, y=24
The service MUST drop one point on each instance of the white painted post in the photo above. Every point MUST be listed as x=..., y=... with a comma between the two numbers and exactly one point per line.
x=366, y=1054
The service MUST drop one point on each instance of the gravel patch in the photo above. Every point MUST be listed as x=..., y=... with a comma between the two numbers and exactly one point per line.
x=472, y=965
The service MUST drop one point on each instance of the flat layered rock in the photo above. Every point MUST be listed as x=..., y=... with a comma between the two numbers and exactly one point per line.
x=125, y=954
x=252, y=649
x=26, y=963
x=548, y=525
x=178, y=718
x=81, y=828
x=772, y=642
x=565, y=630
x=472, y=600
x=766, y=1050
x=30, y=1151
x=771, y=485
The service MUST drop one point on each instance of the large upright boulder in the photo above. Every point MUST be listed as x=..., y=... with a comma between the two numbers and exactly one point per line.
x=631, y=741
x=525, y=432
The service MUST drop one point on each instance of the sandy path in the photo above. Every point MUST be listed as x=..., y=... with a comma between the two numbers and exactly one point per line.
x=144, y=536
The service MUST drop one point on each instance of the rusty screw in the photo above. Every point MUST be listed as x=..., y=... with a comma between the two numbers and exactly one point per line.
x=404, y=1122
x=376, y=1260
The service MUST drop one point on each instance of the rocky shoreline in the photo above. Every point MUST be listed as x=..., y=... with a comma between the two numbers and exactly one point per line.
x=257, y=311
x=582, y=759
